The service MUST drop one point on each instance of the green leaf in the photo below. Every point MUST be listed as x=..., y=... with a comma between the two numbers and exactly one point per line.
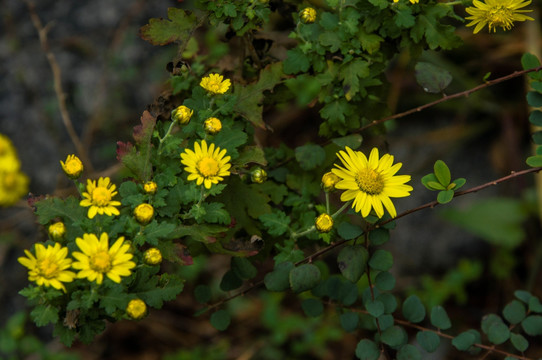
x=201, y=233
x=214, y=213
x=375, y=308
x=394, y=336
x=351, y=73
x=497, y=332
x=534, y=161
x=439, y=318
x=519, y=342
x=176, y=29
x=278, y=279
x=381, y=260
x=379, y=236
x=445, y=196
x=276, y=223
x=428, y=340
x=367, y=350
x=465, y=340
x=530, y=61
x=352, y=261
x=312, y=307
x=349, y=321
x=409, y=352
x=295, y=62
x=230, y=281
x=514, y=312
x=220, y=320
x=249, y=155
x=243, y=268
x=114, y=299
x=202, y=293
x=231, y=138
x=431, y=182
x=442, y=173
x=389, y=301
x=385, y=281
x=523, y=295
x=497, y=220
x=348, y=293
x=433, y=80
x=310, y=156
x=536, y=118
x=537, y=137
x=459, y=182
x=44, y=314
x=535, y=305
x=413, y=309
x=304, y=277
x=353, y=141
x=159, y=289
x=534, y=99
x=404, y=19
x=532, y=325
x=349, y=231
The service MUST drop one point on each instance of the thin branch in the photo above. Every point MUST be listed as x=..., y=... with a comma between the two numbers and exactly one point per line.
x=57, y=79
x=465, y=93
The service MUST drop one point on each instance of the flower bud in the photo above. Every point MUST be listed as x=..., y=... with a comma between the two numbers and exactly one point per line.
x=152, y=256
x=143, y=213
x=308, y=15
x=324, y=223
x=258, y=176
x=212, y=125
x=182, y=114
x=136, y=309
x=73, y=167
x=150, y=187
x=329, y=180
x=57, y=231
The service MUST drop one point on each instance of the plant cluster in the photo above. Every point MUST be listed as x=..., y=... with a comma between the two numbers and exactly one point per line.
x=197, y=182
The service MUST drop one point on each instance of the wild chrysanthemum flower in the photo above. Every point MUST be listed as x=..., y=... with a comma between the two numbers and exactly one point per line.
x=206, y=165
x=370, y=182
x=136, y=309
x=411, y=1
x=182, y=114
x=212, y=126
x=329, y=180
x=98, y=259
x=73, y=167
x=150, y=187
x=215, y=84
x=324, y=223
x=9, y=161
x=152, y=256
x=308, y=15
x=143, y=213
x=258, y=176
x=494, y=13
x=57, y=231
x=99, y=198
x=13, y=186
x=49, y=267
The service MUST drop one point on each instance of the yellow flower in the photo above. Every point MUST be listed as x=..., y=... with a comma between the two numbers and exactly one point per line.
x=215, y=84
x=9, y=162
x=136, y=309
x=370, y=183
x=329, y=180
x=99, y=198
x=150, y=187
x=494, y=13
x=152, y=256
x=324, y=223
x=13, y=186
x=212, y=125
x=308, y=15
x=57, y=230
x=49, y=267
x=206, y=165
x=411, y=1
x=258, y=176
x=73, y=167
x=143, y=213
x=182, y=114
x=98, y=259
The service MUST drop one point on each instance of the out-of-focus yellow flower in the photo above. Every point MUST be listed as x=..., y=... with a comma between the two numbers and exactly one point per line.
x=73, y=167
x=99, y=197
x=308, y=15
x=324, y=223
x=152, y=256
x=136, y=309
x=215, y=84
x=57, y=231
x=9, y=161
x=329, y=180
x=182, y=114
x=411, y=1
x=212, y=126
x=150, y=187
x=143, y=213
x=49, y=267
x=13, y=186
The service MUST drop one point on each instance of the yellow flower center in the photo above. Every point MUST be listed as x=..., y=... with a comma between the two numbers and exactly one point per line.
x=47, y=268
x=208, y=167
x=369, y=181
x=73, y=166
x=501, y=16
x=101, y=196
x=100, y=262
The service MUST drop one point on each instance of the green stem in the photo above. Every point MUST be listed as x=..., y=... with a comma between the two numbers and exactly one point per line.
x=313, y=228
x=327, y=202
x=165, y=137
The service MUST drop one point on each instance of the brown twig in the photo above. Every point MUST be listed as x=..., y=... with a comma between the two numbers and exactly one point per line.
x=57, y=79
x=465, y=93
